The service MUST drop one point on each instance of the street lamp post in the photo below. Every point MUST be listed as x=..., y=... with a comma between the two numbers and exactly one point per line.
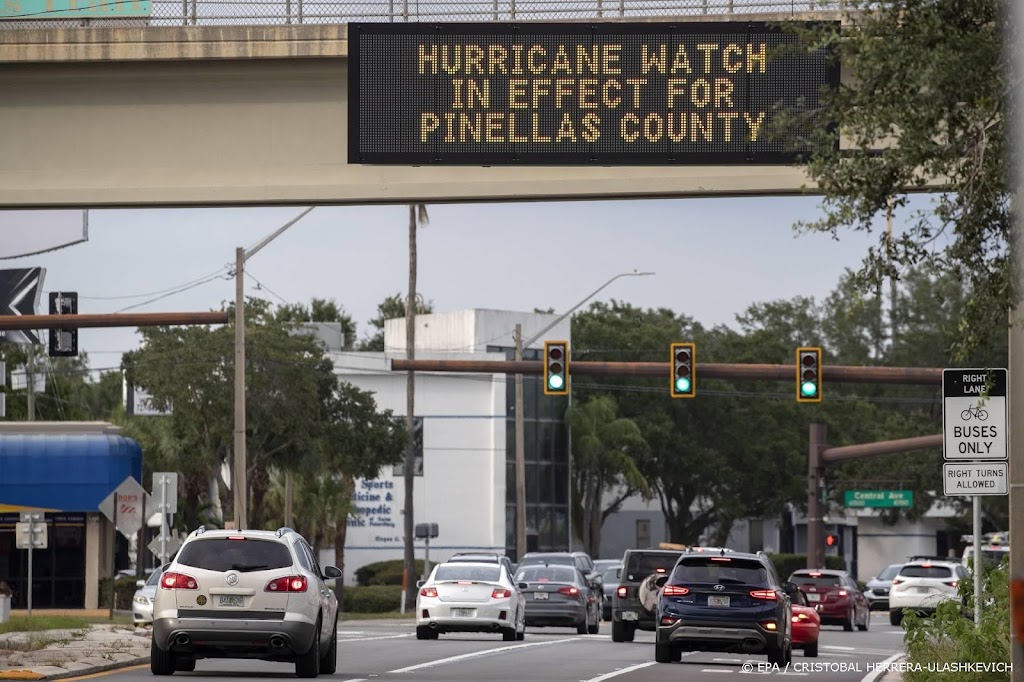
x=240, y=466
x=520, y=454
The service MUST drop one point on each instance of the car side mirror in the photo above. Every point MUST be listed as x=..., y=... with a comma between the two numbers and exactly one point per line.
x=660, y=582
x=420, y=583
x=140, y=583
x=524, y=586
x=331, y=572
x=790, y=587
x=618, y=574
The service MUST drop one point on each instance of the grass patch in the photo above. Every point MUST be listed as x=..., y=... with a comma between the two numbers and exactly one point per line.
x=37, y=623
x=408, y=615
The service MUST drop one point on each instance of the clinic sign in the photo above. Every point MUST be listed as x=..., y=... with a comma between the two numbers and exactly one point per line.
x=584, y=94
x=74, y=9
x=974, y=414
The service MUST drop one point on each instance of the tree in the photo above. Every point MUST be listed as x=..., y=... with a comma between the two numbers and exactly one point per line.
x=391, y=308
x=417, y=216
x=941, y=124
x=320, y=310
x=605, y=448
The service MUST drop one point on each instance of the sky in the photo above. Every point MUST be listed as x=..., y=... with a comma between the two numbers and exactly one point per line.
x=712, y=257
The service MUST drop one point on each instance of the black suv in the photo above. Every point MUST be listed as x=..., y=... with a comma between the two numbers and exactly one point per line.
x=635, y=601
x=727, y=601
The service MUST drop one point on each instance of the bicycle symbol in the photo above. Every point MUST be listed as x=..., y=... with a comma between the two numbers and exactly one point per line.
x=976, y=412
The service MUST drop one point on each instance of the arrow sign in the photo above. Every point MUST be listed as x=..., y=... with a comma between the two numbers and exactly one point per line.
x=130, y=497
x=20, y=291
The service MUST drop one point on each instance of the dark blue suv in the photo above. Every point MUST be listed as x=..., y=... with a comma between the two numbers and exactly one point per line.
x=724, y=601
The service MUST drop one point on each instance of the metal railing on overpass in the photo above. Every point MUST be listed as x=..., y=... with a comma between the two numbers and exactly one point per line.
x=279, y=12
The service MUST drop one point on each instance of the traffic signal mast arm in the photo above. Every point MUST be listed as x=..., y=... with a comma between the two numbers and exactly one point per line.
x=919, y=376
x=8, y=322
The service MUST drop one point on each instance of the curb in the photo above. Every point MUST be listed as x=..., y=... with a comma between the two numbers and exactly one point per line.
x=28, y=674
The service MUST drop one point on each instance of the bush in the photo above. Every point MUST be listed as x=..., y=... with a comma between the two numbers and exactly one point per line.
x=937, y=644
x=785, y=564
x=124, y=592
x=385, y=573
x=373, y=599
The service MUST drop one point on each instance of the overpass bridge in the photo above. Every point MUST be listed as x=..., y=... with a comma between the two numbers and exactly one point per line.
x=223, y=102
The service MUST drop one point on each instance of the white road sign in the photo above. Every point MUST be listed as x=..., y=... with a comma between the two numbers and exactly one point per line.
x=165, y=490
x=172, y=544
x=975, y=478
x=130, y=498
x=974, y=414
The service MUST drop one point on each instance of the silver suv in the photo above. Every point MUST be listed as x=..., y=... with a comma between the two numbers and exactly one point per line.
x=245, y=594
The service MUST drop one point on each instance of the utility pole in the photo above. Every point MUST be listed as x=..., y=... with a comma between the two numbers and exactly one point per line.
x=520, y=455
x=1015, y=442
x=30, y=375
x=815, y=503
x=239, y=469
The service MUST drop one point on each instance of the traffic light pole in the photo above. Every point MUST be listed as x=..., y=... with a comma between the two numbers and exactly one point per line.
x=815, y=503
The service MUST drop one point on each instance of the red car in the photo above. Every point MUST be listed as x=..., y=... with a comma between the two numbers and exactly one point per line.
x=806, y=625
x=835, y=596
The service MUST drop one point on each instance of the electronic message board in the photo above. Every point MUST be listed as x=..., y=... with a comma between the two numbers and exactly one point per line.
x=583, y=94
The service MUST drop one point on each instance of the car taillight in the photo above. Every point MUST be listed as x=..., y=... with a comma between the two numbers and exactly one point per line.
x=764, y=594
x=769, y=625
x=675, y=590
x=622, y=592
x=669, y=620
x=569, y=591
x=290, y=583
x=178, y=581
x=800, y=617
x=897, y=581
x=501, y=593
x=951, y=583
x=431, y=592
x=842, y=593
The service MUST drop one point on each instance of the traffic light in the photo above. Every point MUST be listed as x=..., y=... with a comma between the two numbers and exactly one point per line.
x=556, y=368
x=833, y=541
x=63, y=342
x=684, y=370
x=808, y=375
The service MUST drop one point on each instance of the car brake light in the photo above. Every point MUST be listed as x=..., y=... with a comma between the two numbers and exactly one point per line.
x=569, y=591
x=951, y=583
x=659, y=570
x=800, y=617
x=622, y=592
x=178, y=581
x=814, y=575
x=669, y=620
x=675, y=590
x=236, y=537
x=501, y=593
x=926, y=565
x=897, y=581
x=290, y=583
x=842, y=593
x=764, y=594
x=428, y=592
x=720, y=558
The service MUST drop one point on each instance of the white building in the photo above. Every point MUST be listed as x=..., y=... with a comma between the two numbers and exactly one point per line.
x=467, y=483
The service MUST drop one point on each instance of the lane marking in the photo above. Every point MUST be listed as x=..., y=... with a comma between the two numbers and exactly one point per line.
x=478, y=654
x=716, y=670
x=839, y=648
x=621, y=671
x=105, y=673
x=370, y=639
x=882, y=668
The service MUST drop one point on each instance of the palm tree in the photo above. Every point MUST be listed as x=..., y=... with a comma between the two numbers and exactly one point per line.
x=417, y=216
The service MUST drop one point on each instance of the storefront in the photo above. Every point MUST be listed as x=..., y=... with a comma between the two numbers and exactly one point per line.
x=66, y=476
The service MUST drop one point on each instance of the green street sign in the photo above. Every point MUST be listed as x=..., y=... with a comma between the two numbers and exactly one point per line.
x=878, y=498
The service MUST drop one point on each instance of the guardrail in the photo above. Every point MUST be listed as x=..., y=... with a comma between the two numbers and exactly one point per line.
x=282, y=12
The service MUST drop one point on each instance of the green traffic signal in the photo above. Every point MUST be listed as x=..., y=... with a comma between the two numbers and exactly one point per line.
x=555, y=382
x=683, y=385
x=809, y=388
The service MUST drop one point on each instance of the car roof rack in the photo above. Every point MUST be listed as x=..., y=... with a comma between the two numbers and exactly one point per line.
x=284, y=529
x=200, y=530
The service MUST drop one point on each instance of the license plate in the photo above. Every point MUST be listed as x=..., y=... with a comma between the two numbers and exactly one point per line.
x=463, y=613
x=717, y=601
x=923, y=590
x=540, y=595
x=230, y=600
x=630, y=615
x=813, y=597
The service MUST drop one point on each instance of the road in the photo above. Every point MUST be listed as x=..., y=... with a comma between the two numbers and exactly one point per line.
x=371, y=651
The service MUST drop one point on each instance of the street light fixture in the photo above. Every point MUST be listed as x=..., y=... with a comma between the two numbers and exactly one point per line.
x=240, y=466
x=519, y=437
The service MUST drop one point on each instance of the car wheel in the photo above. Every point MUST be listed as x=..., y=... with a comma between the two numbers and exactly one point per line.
x=185, y=665
x=848, y=623
x=308, y=664
x=329, y=662
x=811, y=650
x=663, y=653
x=508, y=634
x=582, y=628
x=776, y=656
x=867, y=621
x=618, y=631
x=595, y=628
x=160, y=662
x=424, y=632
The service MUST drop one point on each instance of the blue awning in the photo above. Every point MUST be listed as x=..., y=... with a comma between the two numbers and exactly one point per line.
x=64, y=472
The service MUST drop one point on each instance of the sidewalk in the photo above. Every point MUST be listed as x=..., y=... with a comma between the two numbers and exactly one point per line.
x=56, y=654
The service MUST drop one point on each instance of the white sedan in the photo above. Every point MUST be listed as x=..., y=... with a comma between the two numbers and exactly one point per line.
x=470, y=597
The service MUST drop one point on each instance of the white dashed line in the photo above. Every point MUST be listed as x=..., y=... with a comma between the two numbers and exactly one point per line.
x=478, y=654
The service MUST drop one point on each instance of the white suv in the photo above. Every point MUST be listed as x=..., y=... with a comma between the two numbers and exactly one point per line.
x=245, y=594
x=922, y=585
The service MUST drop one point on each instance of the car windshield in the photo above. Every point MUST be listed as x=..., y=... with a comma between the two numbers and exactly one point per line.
x=808, y=580
x=224, y=554
x=611, y=575
x=642, y=564
x=154, y=579
x=547, y=574
x=926, y=572
x=890, y=572
x=452, y=572
x=720, y=570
